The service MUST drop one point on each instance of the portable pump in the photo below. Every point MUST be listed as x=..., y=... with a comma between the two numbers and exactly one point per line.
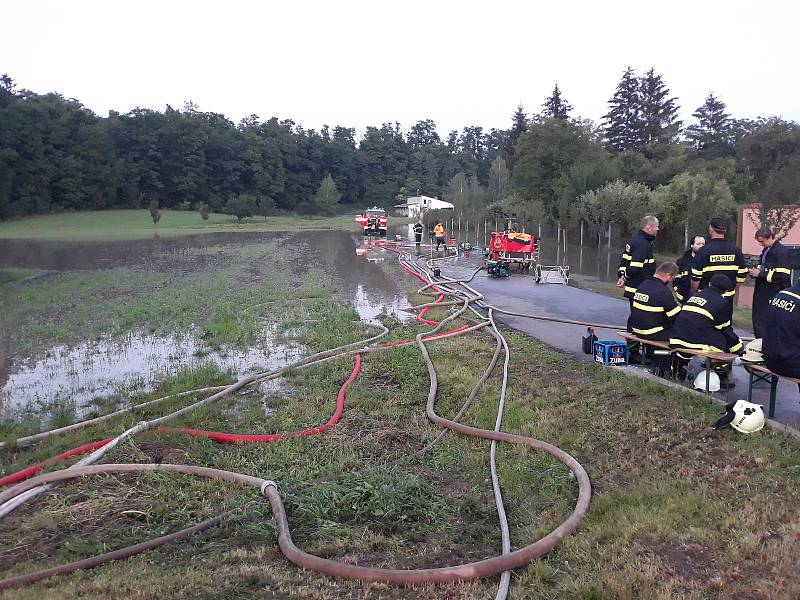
x=497, y=268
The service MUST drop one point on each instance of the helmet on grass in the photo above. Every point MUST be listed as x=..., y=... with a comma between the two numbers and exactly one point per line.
x=743, y=416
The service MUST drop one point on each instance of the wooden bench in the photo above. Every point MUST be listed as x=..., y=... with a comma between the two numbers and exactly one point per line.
x=712, y=357
x=758, y=373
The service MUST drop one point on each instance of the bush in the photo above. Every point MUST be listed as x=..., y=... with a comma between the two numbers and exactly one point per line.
x=155, y=213
x=241, y=206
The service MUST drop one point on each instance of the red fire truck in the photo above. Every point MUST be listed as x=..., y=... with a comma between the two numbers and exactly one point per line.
x=373, y=221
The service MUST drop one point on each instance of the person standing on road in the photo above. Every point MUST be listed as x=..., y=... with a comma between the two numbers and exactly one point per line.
x=438, y=233
x=418, y=229
x=637, y=263
x=683, y=280
x=772, y=275
x=718, y=256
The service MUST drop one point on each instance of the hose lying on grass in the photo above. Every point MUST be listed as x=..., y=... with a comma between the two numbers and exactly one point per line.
x=504, y=563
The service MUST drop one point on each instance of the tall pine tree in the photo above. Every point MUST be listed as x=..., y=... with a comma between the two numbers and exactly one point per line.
x=519, y=125
x=555, y=107
x=712, y=135
x=624, y=123
x=659, y=112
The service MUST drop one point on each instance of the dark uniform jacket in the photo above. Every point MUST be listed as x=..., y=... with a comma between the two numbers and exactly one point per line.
x=654, y=310
x=683, y=280
x=704, y=323
x=781, y=342
x=719, y=256
x=637, y=262
x=775, y=276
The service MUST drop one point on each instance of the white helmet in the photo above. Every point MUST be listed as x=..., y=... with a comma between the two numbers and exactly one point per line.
x=713, y=381
x=743, y=416
x=753, y=352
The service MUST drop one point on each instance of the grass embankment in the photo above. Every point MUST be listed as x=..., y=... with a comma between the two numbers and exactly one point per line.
x=137, y=224
x=678, y=511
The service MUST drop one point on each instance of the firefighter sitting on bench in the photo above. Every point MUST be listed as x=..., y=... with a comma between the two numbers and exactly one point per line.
x=654, y=310
x=704, y=323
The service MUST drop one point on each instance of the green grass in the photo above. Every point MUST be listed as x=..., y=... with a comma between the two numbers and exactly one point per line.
x=678, y=510
x=13, y=275
x=137, y=224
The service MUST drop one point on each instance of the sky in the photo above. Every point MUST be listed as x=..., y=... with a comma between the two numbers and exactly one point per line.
x=353, y=63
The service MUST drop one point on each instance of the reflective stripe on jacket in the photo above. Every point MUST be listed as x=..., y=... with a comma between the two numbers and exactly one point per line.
x=704, y=323
x=654, y=309
x=637, y=262
x=719, y=256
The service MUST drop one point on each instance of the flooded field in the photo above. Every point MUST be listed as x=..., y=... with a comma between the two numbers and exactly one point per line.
x=108, y=368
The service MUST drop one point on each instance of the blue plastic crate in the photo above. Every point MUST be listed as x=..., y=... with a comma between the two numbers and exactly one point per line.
x=611, y=352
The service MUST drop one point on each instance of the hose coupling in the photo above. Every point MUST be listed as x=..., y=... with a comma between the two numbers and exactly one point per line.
x=266, y=484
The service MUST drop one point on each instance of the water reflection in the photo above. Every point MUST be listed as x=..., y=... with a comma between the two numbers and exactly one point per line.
x=136, y=363
x=82, y=373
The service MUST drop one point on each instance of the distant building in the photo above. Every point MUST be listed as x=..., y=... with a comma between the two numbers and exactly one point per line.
x=416, y=206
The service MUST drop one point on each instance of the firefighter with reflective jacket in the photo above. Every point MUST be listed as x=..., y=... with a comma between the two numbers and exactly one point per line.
x=772, y=275
x=654, y=307
x=704, y=322
x=683, y=280
x=718, y=257
x=637, y=263
x=419, y=228
x=781, y=342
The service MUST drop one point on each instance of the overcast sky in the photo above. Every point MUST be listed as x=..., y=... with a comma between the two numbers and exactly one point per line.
x=364, y=63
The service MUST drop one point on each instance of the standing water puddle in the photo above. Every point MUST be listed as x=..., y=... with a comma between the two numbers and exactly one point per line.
x=78, y=376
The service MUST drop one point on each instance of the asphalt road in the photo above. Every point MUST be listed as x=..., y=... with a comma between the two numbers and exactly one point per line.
x=519, y=293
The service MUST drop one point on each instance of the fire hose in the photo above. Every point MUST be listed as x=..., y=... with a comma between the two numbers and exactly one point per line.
x=485, y=568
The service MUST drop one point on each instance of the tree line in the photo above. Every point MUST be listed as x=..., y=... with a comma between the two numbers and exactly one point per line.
x=55, y=155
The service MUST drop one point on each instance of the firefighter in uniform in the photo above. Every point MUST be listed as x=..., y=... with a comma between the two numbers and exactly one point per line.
x=718, y=257
x=704, y=323
x=418, y=229
x=637, y=263
x=781, y=342
x=683, y=280
x=772, y=275
x=654, y=307
x=652, y=313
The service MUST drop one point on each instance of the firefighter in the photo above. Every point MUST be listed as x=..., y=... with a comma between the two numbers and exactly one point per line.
x=781, y=342
x=718, y=257
x=652, y=313
x=654, y=306
x=704, y=323
x=772, y=275
x=418, y=229
x=637, y=263
x=438, y=233
x=683, y=280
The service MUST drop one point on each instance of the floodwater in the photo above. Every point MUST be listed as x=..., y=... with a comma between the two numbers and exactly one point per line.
x=115, y=368
x=111, y=368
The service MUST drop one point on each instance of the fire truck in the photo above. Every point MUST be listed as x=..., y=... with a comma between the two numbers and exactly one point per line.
x=373, y=221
